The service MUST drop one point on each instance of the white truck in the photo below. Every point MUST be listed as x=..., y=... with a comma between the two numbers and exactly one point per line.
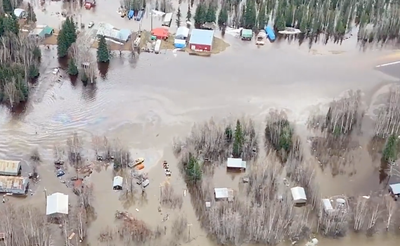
x=157, y=47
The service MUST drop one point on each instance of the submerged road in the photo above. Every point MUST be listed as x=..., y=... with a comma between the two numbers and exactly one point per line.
x=392, y=66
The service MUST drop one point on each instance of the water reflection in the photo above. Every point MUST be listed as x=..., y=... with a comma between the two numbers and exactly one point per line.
x=103, y=69
x=89, y=92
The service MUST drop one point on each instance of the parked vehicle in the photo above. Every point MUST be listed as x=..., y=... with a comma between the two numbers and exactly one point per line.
x=167, y=19
x=91, y=24
x=130, y=14
x=139, y=15
x=270, y=33
x=157, y=47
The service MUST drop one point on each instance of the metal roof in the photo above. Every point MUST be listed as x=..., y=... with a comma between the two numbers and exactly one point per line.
x=221, y=193
x=19, y=12
x=182, y=32
x=203, y=37
x=247, y=33
x=8, y=167
x=395, y=188
x=299, y=194
x=7, y=183
x=57, y=203
x=117, y=181
x=235, y=163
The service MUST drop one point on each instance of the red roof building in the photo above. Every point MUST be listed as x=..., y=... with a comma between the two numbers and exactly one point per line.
x=160, y=33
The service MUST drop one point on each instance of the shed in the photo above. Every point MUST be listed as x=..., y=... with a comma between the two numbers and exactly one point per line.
x=221, y=193
x=327, y=205
x=395, y=189
x=14, y=185
x=235, y=163
x=57, y=204
x=201, y=40
x=299, y=195
x=47, y=31
x=160, y=33
x=19, y=13
x=182, y=33
x=117, y=183
x=10, y=168
x=246, y=34
x=179, y=43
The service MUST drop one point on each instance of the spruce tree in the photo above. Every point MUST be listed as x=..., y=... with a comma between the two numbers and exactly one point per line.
x=72, y=69
x=211, y=13
x=66, y=37
x=10, y=24
x=7, y=6
x=261, y=18
x=103, y=55
x=188, y=14
x=62, y=46
x=250, y=14
x=178, y=17
x=200, y=15
x=223, y=15
x=31, y=14
x=238, y=141
x=389, y=153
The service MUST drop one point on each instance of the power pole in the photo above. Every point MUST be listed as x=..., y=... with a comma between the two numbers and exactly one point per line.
x=189, y=225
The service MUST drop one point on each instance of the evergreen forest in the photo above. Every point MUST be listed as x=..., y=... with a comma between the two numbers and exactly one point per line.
x=378, y=20
x=19, y=57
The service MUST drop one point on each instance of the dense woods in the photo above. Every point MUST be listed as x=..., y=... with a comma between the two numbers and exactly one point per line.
x=19, y=57
x=377, y=20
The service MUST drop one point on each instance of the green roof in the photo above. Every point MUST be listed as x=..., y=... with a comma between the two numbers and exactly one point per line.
x=247, y=33
x=48, y=30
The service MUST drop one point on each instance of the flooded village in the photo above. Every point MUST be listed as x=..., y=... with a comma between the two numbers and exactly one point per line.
x=194, y=135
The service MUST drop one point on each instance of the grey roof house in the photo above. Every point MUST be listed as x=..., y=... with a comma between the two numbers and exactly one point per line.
x=10, y=168
x=14, y=185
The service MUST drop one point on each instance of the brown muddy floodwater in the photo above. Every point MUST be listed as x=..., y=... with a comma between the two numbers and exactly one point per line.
x=146, y=104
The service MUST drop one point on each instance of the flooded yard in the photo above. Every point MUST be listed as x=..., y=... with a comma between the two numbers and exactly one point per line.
x=145, y=104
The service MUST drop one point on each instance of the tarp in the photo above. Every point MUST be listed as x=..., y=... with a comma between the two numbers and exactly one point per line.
x=57, y=203
x=298, y=194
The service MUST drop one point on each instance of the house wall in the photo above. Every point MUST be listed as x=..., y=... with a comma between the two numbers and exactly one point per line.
x=201, y=47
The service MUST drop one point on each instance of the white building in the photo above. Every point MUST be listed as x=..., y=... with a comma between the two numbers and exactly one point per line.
x=223, y=193
x=236, y=163
x=57, y=204
x=117, y=183
x=299, y=195
x=20, y=13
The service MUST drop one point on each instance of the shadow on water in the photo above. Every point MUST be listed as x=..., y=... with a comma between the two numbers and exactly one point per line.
x=18, y=111
x=103, y=69
x=73, y=80
x=89, y=92
x=63, y=62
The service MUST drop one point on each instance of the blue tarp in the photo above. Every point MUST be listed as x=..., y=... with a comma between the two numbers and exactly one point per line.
x=270, y=33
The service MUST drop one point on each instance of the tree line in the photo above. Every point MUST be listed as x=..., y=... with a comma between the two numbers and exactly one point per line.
x=19, y=56
x=377, y=19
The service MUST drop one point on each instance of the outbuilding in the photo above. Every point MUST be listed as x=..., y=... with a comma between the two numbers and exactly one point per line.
x=236, y=163
x=57, y=204
x=299, y=195
x=201, y=40
x=117, y=183
x=182, y=33
x=160, y=33
x=10, y=168
x=223, y=194
x=246, y=34
x=394, y=190
x=327, y=205
x=179, y=43
x=20, y=13
x=14, y=185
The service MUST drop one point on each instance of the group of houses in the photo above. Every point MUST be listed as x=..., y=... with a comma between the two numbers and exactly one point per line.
x=237, y=164
x=11, y=181
x=195, y=39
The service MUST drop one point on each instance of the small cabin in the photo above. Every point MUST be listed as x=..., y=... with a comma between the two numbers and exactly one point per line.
x=117, y=183
x=394, y=190
x=299, y=195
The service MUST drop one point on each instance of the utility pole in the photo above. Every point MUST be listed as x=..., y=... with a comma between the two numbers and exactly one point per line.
x=45, y=198
x=189, y=226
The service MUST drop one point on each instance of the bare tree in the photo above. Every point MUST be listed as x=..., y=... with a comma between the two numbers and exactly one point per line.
x=10, y=91
x=169, y=197
x=75, y=148
x=391, y=208
x=388, y=121
x=360, y=213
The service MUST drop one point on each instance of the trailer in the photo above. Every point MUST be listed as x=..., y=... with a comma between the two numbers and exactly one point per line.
x=167, y=19
x=157, y=46
x=270, y=33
